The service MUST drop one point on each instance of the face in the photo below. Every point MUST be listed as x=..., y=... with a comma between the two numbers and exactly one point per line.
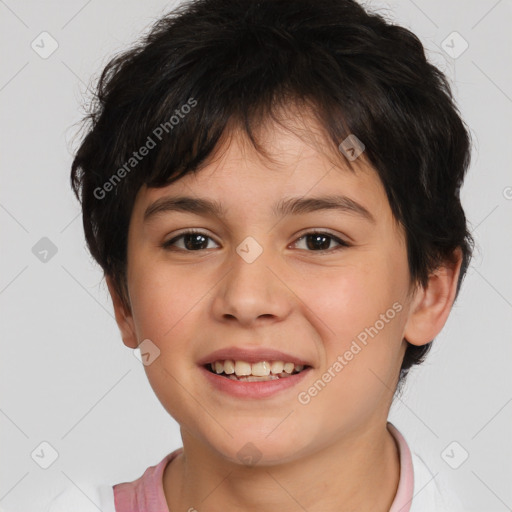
x=328, y=287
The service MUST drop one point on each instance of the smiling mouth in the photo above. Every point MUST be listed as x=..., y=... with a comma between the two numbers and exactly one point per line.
x=256, y=372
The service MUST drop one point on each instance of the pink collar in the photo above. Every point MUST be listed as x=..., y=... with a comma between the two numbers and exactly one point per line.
x=404, y=492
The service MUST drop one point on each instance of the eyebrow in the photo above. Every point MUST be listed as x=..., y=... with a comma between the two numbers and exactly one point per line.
x=289, y=206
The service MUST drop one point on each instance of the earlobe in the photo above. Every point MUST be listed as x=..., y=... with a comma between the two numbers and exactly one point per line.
x=124, y=318
x=431, y=305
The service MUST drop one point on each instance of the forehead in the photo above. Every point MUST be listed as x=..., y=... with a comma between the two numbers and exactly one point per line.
x=298, y=160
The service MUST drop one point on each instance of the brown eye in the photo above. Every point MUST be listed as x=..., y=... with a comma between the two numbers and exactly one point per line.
x=192, y=241
x=320, y=241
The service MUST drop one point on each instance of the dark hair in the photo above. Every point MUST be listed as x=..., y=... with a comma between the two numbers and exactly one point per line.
x=211, y=65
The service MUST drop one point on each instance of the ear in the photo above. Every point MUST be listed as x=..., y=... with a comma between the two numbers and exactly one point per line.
x=124, y=317
x=432, y=305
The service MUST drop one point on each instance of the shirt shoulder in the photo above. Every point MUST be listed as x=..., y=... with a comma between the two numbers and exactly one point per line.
x=419, y=489
x=431, y=492
x=84, y=497
x=146, y=494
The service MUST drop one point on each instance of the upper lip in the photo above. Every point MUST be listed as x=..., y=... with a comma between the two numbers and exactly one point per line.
x=251, y=355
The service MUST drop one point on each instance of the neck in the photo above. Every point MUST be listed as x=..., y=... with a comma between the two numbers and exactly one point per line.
x=357, y=473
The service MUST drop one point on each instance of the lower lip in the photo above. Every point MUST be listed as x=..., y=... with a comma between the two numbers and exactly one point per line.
x=262, y=389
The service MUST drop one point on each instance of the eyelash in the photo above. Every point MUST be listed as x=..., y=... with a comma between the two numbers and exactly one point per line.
x=168, y=245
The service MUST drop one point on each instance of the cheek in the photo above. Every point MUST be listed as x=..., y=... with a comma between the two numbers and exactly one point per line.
x=360, y=313
x=164, y=300
x=166, y=309
x=349, y=299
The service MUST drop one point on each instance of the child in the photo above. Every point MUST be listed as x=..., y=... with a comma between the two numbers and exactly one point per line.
x=272, y=191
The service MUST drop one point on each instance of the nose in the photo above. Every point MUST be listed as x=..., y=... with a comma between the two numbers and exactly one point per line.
x=253, y=292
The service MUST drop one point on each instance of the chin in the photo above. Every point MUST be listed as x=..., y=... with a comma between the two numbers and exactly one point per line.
x=254, y=448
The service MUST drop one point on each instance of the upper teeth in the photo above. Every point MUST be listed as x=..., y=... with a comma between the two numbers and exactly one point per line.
x=259, y=369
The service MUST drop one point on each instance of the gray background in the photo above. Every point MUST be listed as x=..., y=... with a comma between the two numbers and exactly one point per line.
x=66, y=376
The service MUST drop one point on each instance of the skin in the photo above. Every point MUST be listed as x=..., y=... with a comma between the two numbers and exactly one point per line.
x=335, y=453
